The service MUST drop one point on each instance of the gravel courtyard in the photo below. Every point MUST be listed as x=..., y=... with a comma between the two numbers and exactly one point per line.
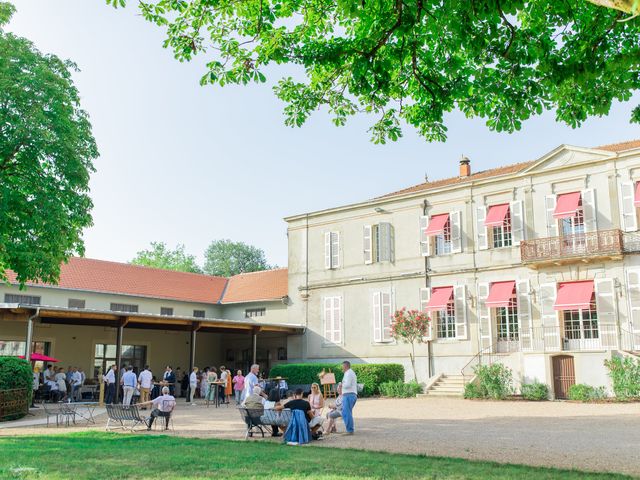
x=602, y=437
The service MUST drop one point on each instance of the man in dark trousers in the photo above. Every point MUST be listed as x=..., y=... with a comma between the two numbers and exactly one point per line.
x=170, y=378
x=110, y=380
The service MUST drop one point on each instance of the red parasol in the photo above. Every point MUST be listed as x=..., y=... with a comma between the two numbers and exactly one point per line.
x=38, y=357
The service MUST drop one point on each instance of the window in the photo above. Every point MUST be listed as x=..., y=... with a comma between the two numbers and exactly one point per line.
x=382, y=316
x=507, y=322
x=581, y=324
x=166, y=311
x=573, y=225
x=23, y=299
x=446, y=321
x=331, y=250
x=332, y=319
x=105, y=356
x=123, y=307
x=502, y=233
x=442, y=242
x=75, y=303
x=13, y=348
x=378, y=243
x=199, y=314
x=255, y=312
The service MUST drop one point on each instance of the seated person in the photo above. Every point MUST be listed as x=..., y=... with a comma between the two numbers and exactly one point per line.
x=162, y=407
x=274, y=419
x=335, y=411
x=255, y=401
x=298, y=403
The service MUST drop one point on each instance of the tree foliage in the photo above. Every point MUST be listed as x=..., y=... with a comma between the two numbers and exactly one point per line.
x=413, y=61
x=161, y=256
x=410, y=326
x=46, y=153
x=226, y=258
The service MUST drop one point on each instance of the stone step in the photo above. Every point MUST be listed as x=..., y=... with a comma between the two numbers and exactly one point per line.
x=436, y=393
x=446, y=388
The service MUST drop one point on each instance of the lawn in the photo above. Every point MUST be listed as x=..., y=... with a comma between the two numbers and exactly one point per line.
x=94, y=455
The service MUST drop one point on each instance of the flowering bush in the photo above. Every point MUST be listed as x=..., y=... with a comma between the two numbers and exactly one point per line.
x=410, y=326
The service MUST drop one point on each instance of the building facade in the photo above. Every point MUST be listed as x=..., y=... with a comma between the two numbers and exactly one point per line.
x=534, y=265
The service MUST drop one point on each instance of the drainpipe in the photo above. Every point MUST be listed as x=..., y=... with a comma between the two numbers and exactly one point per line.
x=427, y=284
x=27, y=348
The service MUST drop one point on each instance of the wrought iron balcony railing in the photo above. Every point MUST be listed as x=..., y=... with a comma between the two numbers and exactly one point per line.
x=600, y=243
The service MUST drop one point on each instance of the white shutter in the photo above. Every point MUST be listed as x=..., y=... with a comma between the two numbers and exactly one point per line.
x=328, y=318
x=385, y=309
x=517, y=222
x=484, y=318
x=482, y=233
x=425, y=240
x=606, y=308
x=629, y=217
x=460, y=304
x=327, y=250
x=392, y=244
x=425, y=296
x=335, y=249
x=550, y=322
x=524, y=314
x=384, y=234
x=377, y=315
x=590, y=211
x=337, y=320
x=633, y=298
x=552, y=223
x=455, y=220
x=368, y=244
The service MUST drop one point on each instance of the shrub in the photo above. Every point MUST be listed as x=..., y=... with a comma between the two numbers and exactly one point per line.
x=369, y=374
x=625, y=376
x=534, y=391
x=586, y=393
x=15, y=373
x=472, y=390
x=494, y=381
x=400, y=389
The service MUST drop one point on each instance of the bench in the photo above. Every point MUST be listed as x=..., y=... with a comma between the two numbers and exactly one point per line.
x=257, y=420
x=124, y=416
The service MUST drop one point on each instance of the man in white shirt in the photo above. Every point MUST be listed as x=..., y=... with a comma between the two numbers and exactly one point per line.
x=110, y=380
x=76, y=383
x=162, y=407
x=48, y=374
x=349, y=395
x=144, y=380
x=250, y=381
x=129, y=382
x=193, y=384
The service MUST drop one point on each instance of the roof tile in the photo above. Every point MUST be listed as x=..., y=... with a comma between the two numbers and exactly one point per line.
x=265, y=285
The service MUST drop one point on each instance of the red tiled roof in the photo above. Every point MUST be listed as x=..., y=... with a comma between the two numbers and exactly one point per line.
x=620, y=147
x=113, y=277
x=265, y=285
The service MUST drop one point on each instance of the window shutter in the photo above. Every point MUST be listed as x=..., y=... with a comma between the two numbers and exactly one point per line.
x=482, y=233
x=460, y=303
x=392, y=244
x=425, y=240
x=484, y=318
x=425, y=296
x=590, y=211
x=377, y=315
x=385, y=232
x=455, y=220
x=552, y=223
x=550, y=321
x=337, y=320
x=328, y=319
x=368, y=244
x=633, y=298
x=517, y=222
x=385, y=308
x=606, y=308
x=335, y=249
x=327, y=250
x=525, y=327
x=629, y=218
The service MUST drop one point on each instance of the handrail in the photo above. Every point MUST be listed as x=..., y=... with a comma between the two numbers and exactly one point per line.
x=478, y=356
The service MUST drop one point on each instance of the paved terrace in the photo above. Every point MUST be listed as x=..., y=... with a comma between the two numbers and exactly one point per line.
x=602, y=437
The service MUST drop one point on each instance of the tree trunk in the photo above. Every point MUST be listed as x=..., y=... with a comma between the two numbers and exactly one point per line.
x=627, y=6
x=412, y=355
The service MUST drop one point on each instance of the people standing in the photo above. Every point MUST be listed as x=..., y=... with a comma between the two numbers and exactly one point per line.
x=110, y=380
x=222, y=389
x=129, y=382
x=76, y=383
x=349, y=396
x=228, y=388
x=204, y=383
x=145, y=380
x=170, y=378
x=238, y=386
x=193, y=384
x=61, y=380
x=250, y=381
x=179, y=376
x=35, y=386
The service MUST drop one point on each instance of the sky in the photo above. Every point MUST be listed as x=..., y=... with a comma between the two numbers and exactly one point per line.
x=181, y=163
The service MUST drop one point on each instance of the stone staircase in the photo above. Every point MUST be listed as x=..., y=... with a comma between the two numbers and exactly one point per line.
x=446, y=386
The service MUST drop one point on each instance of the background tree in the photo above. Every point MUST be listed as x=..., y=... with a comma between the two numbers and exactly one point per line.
x=160, y=256
x=46, y=153
x=410, y=326
x=226, y=258
x=412, y=61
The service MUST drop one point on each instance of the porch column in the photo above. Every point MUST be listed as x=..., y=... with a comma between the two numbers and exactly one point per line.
x=29, y=340
x=192, y=347
x=119, y=333
x=255, y=346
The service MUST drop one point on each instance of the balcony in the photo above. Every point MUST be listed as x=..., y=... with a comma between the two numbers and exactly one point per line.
x=584, y=247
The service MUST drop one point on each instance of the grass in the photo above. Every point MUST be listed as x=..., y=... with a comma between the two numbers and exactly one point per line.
x=95, y=455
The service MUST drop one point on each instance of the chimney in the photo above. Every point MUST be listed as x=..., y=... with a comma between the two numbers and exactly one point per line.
x=465, y=166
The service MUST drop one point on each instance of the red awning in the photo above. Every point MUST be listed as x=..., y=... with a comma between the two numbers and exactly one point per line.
x=496, y=215
x=500, y=294
x=574, y=295
x=566, y=205
x=636, y=197
x=440, y=298
x=38, y=357
x=437, y=224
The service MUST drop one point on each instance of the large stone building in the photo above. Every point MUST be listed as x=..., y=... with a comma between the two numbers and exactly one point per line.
x=534, y=265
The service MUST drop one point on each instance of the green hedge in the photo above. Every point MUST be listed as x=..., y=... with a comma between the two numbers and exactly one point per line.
x=15, y=373
x=625, y=376
x=400, y=389
x=492, y=381
x=369, y=374
x=535, y=391
x=586, y=393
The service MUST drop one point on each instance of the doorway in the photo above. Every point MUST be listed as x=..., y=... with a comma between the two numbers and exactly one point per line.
x=563, y=375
